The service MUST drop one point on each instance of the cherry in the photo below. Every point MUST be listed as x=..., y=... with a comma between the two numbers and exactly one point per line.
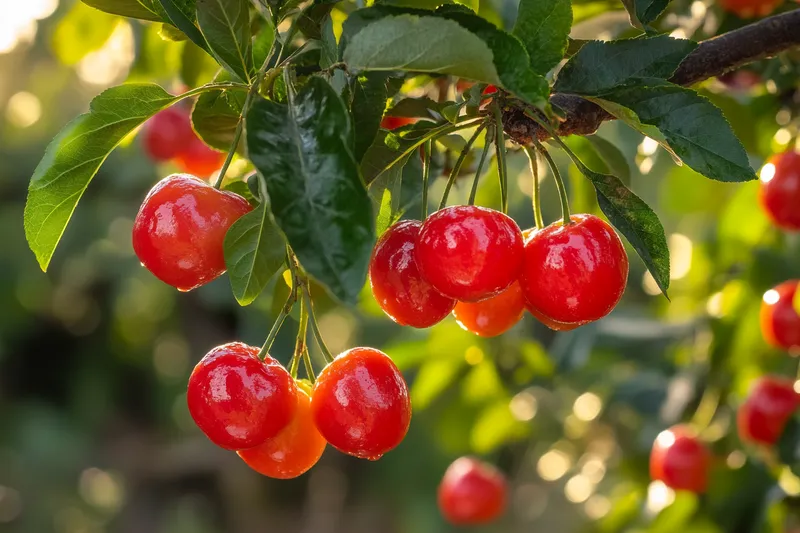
x=293, y=451
x=397, y=284
x=555, y=325
x=239, y=401
x=779, y=194
x=179, y=230
x=198, y=158
x=575, y=273
x=360, y=403
x=741, y=80
x=167, y=133
x=493, y=316
x=469, y=253
x=780, y=323
x=392, y=123
x=750, y=8
x=472, y=492
x=764, y=414
x=680, y=460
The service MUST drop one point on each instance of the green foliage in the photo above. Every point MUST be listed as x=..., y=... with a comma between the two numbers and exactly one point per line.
x=138, y=9
x=216, y=115
x=183, y=15
x=81, y=31
x=369, y=101
x=543, y=27
x=613, y=158
x=225, y=24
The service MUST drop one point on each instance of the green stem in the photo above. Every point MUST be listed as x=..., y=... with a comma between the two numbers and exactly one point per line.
x=486, y=143
x=426, y=172
x=290, y=34
x=562, y=190
x=500, y=147
x=457, y=167
x=273, y=333
x=315, y=327
x=300, y=343
x=309, y=367
x=537, y=205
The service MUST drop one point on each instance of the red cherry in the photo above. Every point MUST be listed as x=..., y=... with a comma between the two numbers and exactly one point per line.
x=167, y=133
x=747, y=9
x=472, y=492
x=360, y=403
x=489, y=90
x=293, y=451
x=555, y=325
x=392, y=123
x=239, y=401
x=493, y=316
x=764, y=414
x=469, y=253
x=740, y=80
x=575, y=273
x=780, y=323
x=397, y=284
x=779, y=194
x=680, y=460
x=179, y=230
x=198, y=158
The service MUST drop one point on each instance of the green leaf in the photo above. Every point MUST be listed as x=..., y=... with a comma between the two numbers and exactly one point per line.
x=225, y=24
x=318, y=197
x=197, y=65
x=612, y=156
x=168, y=32
x=600, y=67
x=183, y=15
x=643, y=12
x=694, y=128
x=80, y=31
x=789, y=445
x=138, y=9
x=369, y=101
x=262, y=44
x=241, y=188
x=391, y=148
x=422, y=107
x=216, y=116
x=254, y=251
x=543, y=26
x=386, y=196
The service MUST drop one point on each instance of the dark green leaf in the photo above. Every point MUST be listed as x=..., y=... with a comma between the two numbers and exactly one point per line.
x=216, y=116
x=311, y=21
x=369, y=101
x=138, y=9
x=242, y=189
x=254, y=251
x=318, y=197
x=614, y=159
x=197, y=65
x=789, y=445
x=262, y=45
x=392, y=147
x=543, y=26
x=643, y=12
x=386, y=196
x=600, y=67
x=226, y=27
x=422, y=107
x=183, y=15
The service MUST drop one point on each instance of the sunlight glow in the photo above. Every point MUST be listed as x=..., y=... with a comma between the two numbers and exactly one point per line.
x=659, y=496
x=18, y=23
x=767, y=172
x=553, y=465
x=648, y=146
x=680, y=251
x=665, y=439
x=112, y=61
x=23, y=109
x=524, y=406
x=771, y=297
x=587, y=407
x=578, y=489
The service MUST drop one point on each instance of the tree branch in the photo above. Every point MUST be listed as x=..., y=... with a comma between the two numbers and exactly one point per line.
x=712, y=57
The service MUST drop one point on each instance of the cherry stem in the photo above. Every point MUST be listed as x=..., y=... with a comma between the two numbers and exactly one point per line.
x=537, y=206
x=500, y=148
x=706, y=409
x=486, y=143
x=300, y=344
x=426, y=172
x=309, y=367
x=562, y=190
x=459, y=163
x=326, y=352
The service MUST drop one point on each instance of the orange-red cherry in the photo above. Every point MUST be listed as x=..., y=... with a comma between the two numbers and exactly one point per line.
x=293, y=451
x=469, y=253
x=198, y=158
x=472, y=492
x=779, y=194
x=397, y=284
x=780, y=323
x=763, y=416
x=180, y=228
x=680, y=460
x=239, y=401
x=167, y=133
x=555, y=325
x=392, y=123
x=493, y=316
x=360, y=403
x=575, y=273
x=747, y=9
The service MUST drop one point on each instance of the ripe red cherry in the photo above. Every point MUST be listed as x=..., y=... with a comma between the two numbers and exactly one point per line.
x=392, y=123
x=493, y=316
x=167, y=133
x=472, y=492
x=469, y=253
x=780, y=323
x=397, y=284
x=555, y=325
x=764, y=414
x=575, y=273
x=239, y=401
x=360, y=403
x=779, y=194
x=750, y=8
x=680, y=460
x=198, y=158
x=179, y=230
x=293, y=451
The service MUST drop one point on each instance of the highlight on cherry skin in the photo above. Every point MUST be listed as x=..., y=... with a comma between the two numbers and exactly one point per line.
x=779, y=192
x=472, y=492
x=680, y=460
x=780, y=323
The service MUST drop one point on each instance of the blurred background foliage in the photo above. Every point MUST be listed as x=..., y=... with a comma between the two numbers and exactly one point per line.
x=94, y=431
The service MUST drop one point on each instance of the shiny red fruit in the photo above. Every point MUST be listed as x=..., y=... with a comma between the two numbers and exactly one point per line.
x=747, y=9
x=680, y=460
x=780, y=323
x=179, y=230
x=199, y=159
x=239, y=401
x=779, y=194
x=555, y=325
x=293, y=451
x=469, y=253
x=575, y=273
x=167, y=134
x=392, y=123
x=360, y=403
x=489, y=90
x=493, y=316
x=764, y=414
x=472, y=492
x=397, y=284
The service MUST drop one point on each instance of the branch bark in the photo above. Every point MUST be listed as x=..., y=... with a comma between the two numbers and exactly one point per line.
x=711, y=58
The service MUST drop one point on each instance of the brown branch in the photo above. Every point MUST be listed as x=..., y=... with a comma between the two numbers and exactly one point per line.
x=712, y=57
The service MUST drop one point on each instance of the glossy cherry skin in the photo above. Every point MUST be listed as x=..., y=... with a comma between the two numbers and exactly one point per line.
x=780, y=323
x=575, y=273
x=397, y=284
x=492, y=316
x=680, y=460
x=747, y=9
x=472, y=492
x=763, y=416
x=167, y=133
x=293, y=451
x=469, y=253
x=392, y=123
x=779, y=194
x=180, y=228
x=239, y=401
x=360, y=403
x=555, y=325
x=198, y=158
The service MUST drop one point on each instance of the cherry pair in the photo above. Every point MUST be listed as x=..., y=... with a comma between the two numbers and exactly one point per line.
x=168, y=136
